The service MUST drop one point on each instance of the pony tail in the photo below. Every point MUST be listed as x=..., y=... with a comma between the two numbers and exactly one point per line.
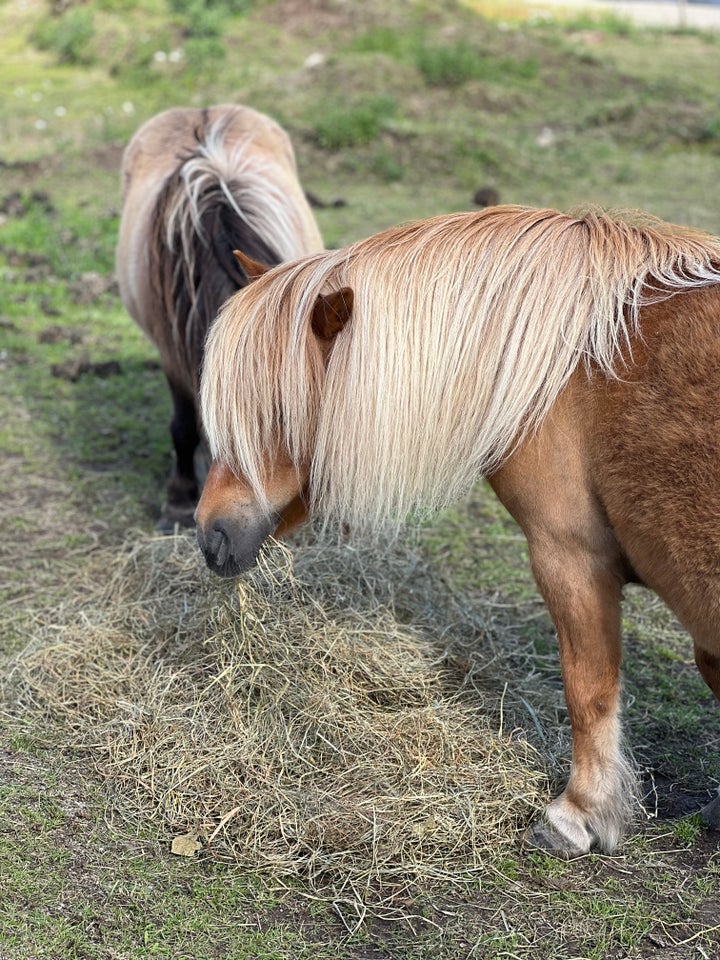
x=204, y=212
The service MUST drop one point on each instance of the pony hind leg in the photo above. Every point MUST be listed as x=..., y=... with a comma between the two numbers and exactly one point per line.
x=182, y=488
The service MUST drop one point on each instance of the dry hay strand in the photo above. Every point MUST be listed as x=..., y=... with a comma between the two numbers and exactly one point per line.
x=291, y=721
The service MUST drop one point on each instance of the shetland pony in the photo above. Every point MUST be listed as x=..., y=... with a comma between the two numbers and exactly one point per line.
x=198, y=184
x=572, y=360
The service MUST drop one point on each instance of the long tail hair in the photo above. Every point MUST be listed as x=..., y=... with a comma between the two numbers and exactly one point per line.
x=221, y=197
x=465, y=330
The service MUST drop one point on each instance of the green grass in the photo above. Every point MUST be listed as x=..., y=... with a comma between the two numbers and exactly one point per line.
x=69, y=38
x=411, y=109
x=73, y=905
x=342, y=125
x=452, y=65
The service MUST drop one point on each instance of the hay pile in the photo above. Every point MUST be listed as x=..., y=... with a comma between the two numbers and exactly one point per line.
x=291, y=722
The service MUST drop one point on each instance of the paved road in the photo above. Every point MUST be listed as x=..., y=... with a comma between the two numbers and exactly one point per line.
x=668, y=13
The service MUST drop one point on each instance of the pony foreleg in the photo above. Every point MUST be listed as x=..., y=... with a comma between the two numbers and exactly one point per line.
x=583, y=595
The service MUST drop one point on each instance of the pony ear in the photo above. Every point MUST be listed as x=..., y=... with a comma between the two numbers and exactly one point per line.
x=252, y=268
x=332, y=311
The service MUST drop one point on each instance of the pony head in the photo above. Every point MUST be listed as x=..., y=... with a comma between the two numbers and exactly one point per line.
x=241, y=507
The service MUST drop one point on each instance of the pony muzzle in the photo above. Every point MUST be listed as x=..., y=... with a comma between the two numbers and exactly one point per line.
x=232, y=525
x=231, y=546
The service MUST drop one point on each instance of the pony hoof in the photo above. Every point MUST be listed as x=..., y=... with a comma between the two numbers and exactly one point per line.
x=710, y=813
x=544, y=836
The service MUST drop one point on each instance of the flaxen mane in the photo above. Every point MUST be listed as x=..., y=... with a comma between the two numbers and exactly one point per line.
x=465, y=330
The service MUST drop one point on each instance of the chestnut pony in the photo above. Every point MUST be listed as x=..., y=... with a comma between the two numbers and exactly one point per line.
x=198, y=184
x=572, y=360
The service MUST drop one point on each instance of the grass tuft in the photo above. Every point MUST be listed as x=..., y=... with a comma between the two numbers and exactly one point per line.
x=69, y=37
x=341, y=126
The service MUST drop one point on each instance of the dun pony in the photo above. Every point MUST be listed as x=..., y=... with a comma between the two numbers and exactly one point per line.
x=572, y=360
x=198, y=184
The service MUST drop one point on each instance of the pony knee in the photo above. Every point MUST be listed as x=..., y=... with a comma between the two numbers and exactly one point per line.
x=184, y=432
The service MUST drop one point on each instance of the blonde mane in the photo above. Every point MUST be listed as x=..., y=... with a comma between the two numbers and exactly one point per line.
x=465, y=330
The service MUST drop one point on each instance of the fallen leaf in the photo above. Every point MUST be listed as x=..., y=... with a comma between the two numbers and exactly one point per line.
x=186, y=845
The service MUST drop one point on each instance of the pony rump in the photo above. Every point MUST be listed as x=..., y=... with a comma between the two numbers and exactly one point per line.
x=221, y=197
x=465, y=330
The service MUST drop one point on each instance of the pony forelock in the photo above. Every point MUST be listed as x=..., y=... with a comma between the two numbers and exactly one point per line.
x=262, y=337
x=465, y=330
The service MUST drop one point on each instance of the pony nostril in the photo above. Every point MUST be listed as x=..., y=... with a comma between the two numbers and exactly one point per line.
x=219, y=543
